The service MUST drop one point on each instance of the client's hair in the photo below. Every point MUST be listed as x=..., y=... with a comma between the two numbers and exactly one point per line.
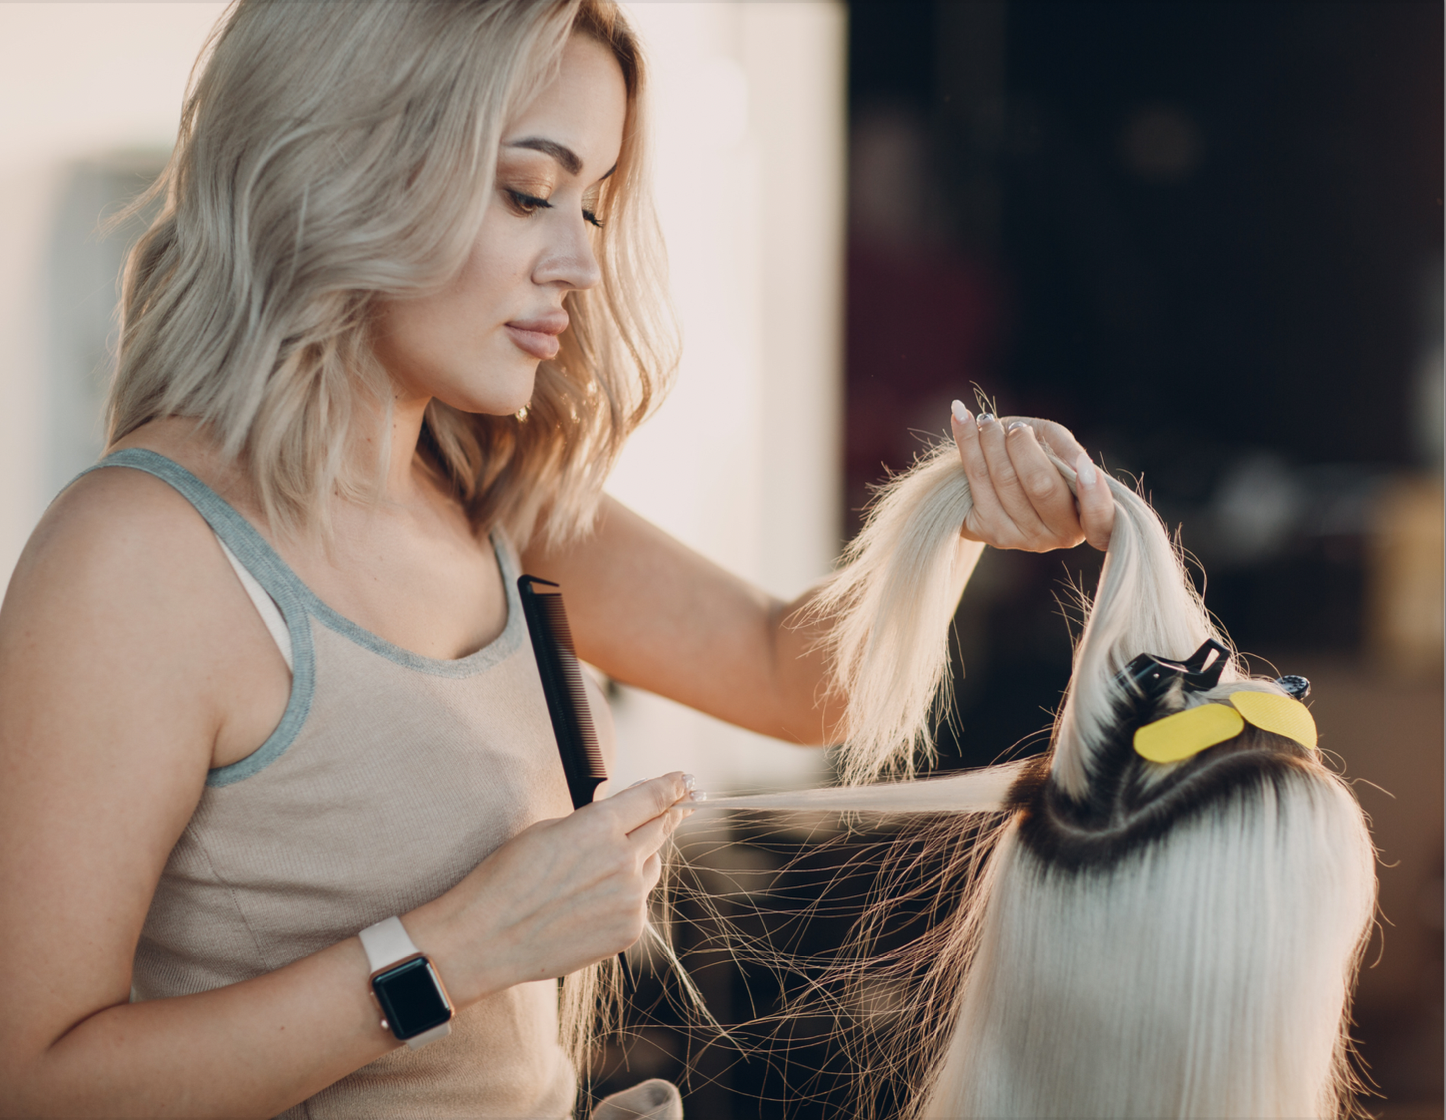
x=1145, y=939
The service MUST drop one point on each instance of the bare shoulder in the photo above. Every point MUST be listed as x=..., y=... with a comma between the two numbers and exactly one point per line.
x=112, y=532
x=119, y=529
x=111, y=618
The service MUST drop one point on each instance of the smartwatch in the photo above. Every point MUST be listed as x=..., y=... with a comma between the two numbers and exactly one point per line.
x=414, y=1004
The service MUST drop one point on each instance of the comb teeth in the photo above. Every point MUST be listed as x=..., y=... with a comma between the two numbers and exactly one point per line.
x=556, y=615
x=562, y=684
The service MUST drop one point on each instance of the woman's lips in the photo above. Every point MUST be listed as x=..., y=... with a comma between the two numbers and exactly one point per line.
x=538, y=337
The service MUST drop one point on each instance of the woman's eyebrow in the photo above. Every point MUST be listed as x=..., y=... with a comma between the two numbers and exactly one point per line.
x=566, y=157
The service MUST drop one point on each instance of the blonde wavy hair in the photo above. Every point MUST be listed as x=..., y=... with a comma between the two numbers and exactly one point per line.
x=334, y=154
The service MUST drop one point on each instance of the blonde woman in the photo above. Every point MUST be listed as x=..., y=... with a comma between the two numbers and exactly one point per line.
x=282, y=828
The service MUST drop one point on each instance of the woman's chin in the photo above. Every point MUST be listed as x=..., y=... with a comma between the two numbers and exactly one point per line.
x=496, y=400
x=489, y=408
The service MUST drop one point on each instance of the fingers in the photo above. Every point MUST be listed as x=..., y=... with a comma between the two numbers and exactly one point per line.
x=1059, y=439
x=640, y=803
x=1020, y=498
x=988, y=521
x=1096, y=503
x=1043, y=487
x=649, y=837
x=995, y=441
x=652, y=872
x=648, y=812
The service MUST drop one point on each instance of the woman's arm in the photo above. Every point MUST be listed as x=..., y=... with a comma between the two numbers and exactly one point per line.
x=651, y=612
x=123, y=658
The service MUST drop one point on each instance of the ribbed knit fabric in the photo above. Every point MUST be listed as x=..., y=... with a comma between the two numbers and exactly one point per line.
x=390, y=777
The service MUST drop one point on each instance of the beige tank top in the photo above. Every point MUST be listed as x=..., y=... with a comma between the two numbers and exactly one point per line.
x=389, y=778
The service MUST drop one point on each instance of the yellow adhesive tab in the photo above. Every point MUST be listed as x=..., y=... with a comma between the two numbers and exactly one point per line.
x=1279, y=714
x=1186, y=733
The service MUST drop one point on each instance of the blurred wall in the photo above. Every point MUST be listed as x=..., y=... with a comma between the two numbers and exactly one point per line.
x=89, y=89
x=742, y=462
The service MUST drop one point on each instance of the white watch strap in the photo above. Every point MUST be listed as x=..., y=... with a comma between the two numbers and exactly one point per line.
x=416, y=1042
x=386, y=943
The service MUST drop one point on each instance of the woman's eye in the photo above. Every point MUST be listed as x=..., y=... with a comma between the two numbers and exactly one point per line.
x=592, y=218
x=525, y=203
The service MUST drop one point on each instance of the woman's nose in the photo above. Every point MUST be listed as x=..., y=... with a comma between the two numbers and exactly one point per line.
x=569, y=259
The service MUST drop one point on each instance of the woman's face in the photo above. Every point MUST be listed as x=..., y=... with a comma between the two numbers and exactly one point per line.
x=476, y=344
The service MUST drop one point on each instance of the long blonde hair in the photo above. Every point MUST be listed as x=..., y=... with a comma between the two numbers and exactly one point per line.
x=1143, y=939
x=331, y=154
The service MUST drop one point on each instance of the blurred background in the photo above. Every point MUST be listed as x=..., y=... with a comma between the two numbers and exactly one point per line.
x=1207, y=237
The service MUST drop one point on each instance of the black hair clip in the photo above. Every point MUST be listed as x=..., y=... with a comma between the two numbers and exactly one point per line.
x=1148, y=676
x=1298, y=687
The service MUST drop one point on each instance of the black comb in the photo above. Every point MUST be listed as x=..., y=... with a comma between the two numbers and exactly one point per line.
x=561, y=674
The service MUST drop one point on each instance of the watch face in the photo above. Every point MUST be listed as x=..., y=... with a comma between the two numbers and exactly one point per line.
x=411, y=997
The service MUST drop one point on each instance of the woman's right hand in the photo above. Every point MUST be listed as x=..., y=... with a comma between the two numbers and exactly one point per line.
x=560, y=895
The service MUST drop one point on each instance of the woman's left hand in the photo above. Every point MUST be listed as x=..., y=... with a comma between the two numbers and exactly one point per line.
x=1020, y=499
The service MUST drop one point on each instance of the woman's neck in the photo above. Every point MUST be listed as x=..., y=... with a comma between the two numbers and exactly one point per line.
x=396, y=435
x=405, y=431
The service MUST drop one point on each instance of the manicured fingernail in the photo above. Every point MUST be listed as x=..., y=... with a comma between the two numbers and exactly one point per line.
x=1017, y=425
x=986, y=418
x=698, y=795
x=689, y=782
x=1085, y=470
x=961, y=413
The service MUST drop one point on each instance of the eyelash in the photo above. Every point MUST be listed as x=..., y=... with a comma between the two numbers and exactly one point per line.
x=529, y=204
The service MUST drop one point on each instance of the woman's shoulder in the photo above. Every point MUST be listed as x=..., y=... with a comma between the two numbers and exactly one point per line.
x=116, y=532
x=123, y=630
